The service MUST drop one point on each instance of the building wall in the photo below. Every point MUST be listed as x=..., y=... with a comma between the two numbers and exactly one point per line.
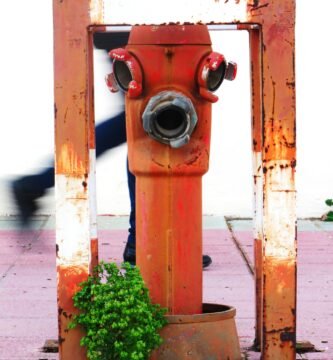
x=26, y=113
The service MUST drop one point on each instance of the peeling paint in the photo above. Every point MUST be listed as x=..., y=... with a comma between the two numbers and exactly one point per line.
x=68, y=162
x=93, y=261
x=258, y=198
x=96, y=11
x=69, y=278
x=280, y=175
x=174, y=12
x=92, y=194
x=72, y=221
x=280, y=211
x=273, y=113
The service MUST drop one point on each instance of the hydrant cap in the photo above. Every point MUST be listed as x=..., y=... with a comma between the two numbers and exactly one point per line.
x=169, y=34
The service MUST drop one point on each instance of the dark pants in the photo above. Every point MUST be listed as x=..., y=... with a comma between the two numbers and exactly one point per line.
x=109, y=134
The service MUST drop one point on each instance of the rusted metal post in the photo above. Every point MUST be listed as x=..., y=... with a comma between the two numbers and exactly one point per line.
x=75, y=163
x=256, y=79
x=276, y=19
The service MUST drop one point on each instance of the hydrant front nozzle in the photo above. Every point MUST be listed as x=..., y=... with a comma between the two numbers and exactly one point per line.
x=169, y=121
x=170, y=118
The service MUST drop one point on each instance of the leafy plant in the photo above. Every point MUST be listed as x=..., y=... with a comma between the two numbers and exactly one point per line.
x=329, y=215
x=116, y=312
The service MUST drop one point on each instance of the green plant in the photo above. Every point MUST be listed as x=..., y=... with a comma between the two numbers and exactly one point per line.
x=117, y=315
x=329, y=215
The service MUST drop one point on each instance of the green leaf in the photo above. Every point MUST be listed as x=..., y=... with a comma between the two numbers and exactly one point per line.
x=329, y=216
x=117, y=315
x=329, y=202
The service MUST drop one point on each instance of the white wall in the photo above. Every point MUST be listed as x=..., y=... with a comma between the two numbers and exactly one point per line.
x=26, y=113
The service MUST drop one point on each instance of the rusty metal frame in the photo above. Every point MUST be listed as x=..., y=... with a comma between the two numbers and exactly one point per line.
x=272, y=50
x=76, y=234
x=272, y=45
x=257, y=145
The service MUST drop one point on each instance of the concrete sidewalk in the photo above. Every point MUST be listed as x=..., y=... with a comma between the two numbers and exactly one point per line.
x=28, y=309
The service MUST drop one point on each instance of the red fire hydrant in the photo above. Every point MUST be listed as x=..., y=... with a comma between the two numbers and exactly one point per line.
x=169, y=74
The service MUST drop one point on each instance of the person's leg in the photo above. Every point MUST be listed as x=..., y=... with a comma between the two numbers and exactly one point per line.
x=110, y=133
x=131, y=190
x=129, y=252
x=28, y=189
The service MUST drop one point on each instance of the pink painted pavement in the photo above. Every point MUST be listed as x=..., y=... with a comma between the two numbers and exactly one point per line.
x=28, y=311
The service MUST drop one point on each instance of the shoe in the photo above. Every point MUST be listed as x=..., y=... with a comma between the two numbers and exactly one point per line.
x=129, y=256
x=206, y=261
x=129, y=253
x=25, y=200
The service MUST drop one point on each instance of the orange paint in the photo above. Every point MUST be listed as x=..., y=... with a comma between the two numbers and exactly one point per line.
x=274, y=135
x=74, y=140
x=94, y=254
x=69, y=278
x=168, y=180
x=71, y=87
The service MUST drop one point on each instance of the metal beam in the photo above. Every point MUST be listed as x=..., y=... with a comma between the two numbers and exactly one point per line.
x=75, y=163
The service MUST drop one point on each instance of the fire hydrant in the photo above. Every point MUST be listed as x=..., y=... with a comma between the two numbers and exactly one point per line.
x=169, y=74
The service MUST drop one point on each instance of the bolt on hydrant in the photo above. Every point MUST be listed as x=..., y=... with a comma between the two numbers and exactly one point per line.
x=169, y=74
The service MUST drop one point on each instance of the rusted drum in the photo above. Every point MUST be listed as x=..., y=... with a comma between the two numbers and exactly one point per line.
x=211, y=335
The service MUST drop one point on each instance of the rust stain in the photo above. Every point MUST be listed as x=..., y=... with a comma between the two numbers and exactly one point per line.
x=273, y=101
x=216, y=337
x=73, y=126
x=55, y=111
x=256, y=82
x=69, y=280
x=290, y=84
x=276, y=326
x=157, y=163
x=94, y=254
x=255, y=6
x=75, y=43
x=193, y=159
x=65, y=115
x=277, y=31
x=68, y=161
x=96, y=11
